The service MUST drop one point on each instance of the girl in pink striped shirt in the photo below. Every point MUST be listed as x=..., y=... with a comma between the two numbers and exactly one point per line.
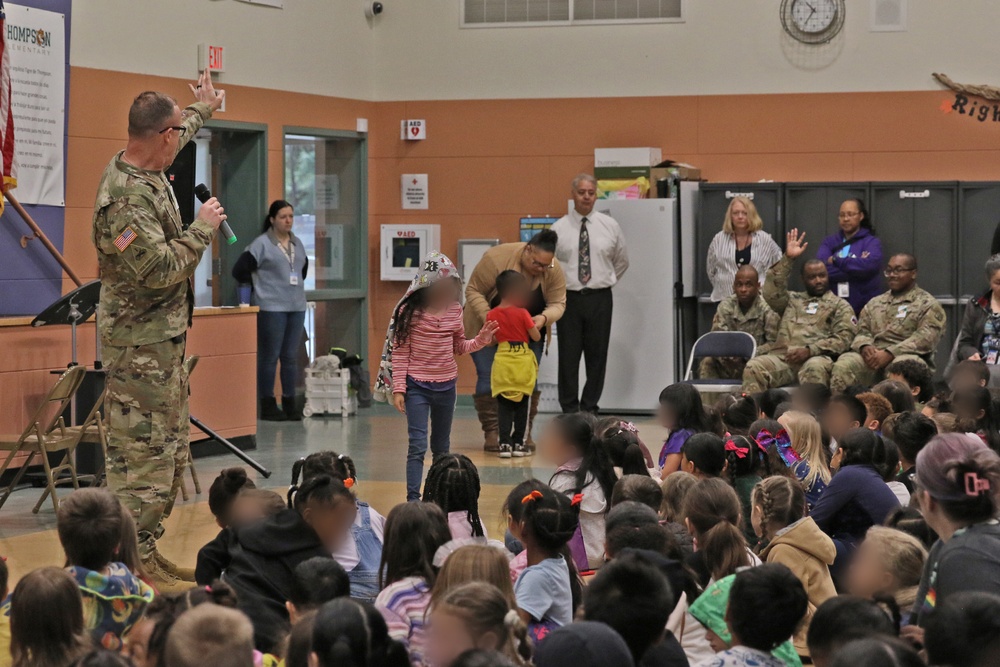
x=418, y=369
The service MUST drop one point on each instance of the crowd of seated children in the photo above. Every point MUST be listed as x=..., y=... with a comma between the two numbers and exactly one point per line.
x=782, y=529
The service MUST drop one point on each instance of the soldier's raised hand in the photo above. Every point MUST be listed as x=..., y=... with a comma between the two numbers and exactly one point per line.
x=795, y=243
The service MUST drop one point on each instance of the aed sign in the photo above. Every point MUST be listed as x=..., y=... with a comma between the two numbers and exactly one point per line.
x=413, y=130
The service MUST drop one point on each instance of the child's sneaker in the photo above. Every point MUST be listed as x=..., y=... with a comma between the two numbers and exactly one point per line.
x=521, y=450
x=505, y=451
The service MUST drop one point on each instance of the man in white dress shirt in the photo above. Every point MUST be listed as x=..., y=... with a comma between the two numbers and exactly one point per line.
x=592, y=252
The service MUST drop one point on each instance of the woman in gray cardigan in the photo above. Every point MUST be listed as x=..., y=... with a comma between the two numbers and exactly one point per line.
x=276, y=264
x=741, y=241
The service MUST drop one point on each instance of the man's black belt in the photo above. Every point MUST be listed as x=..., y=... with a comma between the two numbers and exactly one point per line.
x=588, y=290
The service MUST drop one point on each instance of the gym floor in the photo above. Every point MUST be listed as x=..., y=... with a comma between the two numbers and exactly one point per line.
x=375, y=439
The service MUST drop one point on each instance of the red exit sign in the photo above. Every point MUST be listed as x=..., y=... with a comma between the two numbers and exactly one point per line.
x=211, y=57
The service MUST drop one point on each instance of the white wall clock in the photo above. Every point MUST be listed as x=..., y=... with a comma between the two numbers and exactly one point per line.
x=813, y=21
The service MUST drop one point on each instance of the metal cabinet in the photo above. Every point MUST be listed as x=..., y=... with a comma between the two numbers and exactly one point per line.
x=978, y=215
x=920, y=219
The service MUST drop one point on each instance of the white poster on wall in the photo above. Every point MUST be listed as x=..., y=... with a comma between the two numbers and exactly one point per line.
x=327, y=192
x=37, y=42
x=413, y=188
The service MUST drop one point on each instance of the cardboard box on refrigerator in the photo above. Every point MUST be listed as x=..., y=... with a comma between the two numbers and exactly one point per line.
x=627, y=157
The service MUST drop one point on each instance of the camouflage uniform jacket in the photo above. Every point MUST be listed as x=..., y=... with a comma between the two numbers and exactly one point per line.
x=823, y=325
x=759, y=321
x=908, y=323
x=145, y=258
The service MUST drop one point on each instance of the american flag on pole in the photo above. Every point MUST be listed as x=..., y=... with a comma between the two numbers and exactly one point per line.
x=9, y=162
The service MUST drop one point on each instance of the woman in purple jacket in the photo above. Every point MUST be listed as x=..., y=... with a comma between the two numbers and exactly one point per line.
x=853, y=256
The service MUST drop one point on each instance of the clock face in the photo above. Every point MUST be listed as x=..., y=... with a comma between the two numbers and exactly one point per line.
x=814, y=16
x=813, y=21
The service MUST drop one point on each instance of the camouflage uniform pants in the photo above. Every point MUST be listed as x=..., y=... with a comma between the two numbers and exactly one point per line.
x=721, y=368
x=850, y=369
x=147, y=407
x=771, y=370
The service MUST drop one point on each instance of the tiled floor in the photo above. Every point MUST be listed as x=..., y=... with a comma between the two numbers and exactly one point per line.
x=376, y=440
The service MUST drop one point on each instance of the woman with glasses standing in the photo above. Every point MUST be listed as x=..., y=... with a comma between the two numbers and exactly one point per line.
x=536, y=260
x=276, y=264
x=853, y=256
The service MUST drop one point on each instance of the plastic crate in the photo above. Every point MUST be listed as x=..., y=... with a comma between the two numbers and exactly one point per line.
x=329, y=393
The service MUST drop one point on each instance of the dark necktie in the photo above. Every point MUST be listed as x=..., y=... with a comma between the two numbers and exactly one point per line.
x=583, y=265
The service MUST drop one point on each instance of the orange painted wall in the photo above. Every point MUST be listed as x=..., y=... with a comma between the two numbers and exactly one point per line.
x=491, y=162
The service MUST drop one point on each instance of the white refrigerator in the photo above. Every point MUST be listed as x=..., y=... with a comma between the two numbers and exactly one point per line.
x=641, y=358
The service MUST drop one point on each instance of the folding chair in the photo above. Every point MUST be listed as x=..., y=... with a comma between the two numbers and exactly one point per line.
x=94, y=430
x=720, y=344
x=46, y=433
x=189, y=365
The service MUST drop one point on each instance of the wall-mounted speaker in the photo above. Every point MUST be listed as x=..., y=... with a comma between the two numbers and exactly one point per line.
x=888, y=15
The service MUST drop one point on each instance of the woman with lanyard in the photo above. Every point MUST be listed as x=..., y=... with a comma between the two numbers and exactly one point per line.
x=979, y=338
x=853, y=256
x=957, y=481
x=276, y=264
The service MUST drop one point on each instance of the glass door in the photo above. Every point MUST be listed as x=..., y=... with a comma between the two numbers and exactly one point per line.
x=326, y=183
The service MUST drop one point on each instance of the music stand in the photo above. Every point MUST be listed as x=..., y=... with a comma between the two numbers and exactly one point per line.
x=72, y=309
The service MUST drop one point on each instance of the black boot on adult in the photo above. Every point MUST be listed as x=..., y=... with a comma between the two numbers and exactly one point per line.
x=270, y=412
x=290, y=405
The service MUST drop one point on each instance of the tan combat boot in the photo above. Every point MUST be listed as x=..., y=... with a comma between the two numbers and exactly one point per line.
x=183, y=573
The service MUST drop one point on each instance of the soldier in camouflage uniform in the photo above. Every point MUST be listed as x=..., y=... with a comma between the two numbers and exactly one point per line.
x=904, y=323
x=744, y=310
x=815, y=328
x=146, y=262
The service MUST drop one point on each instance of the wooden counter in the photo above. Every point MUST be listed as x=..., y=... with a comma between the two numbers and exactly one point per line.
x=223, y=387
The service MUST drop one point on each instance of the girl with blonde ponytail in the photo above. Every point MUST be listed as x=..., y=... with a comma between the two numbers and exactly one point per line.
x=476, y=616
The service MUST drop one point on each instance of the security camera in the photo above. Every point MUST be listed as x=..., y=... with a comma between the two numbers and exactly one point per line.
x=373, y=9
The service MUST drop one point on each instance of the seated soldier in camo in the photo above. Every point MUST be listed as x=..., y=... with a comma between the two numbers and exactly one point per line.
x=816, y=325
x=745, y=310
x=904, y=323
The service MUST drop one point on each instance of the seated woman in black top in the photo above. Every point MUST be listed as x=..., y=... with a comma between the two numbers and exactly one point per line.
x=264, y=558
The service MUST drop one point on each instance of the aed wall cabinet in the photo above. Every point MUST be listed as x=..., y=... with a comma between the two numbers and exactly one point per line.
x=403, y=247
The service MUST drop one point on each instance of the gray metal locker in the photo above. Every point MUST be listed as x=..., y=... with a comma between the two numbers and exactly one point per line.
x=813, y=208
x=921, y=218
x=978, y=215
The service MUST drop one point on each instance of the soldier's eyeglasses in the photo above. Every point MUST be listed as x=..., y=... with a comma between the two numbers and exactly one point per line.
x=896, y=271
x=179, y=128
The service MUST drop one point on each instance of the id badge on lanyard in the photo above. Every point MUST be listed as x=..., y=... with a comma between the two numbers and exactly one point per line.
x=293, y=278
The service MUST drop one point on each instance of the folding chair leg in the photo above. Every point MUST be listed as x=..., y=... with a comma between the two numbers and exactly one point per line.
x=17, y=478
x=194, y=473
x=67, y=463
x=50, y=485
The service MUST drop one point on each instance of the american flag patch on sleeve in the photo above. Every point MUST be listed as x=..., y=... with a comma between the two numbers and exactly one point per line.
x=125, y=239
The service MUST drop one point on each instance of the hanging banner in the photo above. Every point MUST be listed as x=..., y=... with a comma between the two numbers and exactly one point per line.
x=37, y=42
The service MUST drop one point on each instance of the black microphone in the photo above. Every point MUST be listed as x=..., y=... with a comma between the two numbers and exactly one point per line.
x=203, y=194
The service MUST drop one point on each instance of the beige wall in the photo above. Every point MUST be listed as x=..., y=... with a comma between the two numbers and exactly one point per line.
x=724, y=47
x=322, y=47
x=416, y=50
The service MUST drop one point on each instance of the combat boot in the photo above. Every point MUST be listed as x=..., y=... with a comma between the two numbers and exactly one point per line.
x=164, y=582
x=185, y=574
